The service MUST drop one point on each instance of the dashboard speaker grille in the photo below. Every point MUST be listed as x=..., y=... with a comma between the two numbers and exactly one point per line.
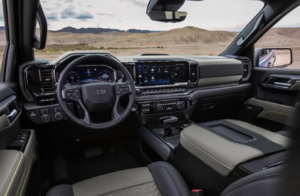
x=47, y=80
x=193, y=73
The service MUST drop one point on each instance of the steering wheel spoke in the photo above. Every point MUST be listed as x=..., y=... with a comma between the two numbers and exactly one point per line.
x=122, y=89
x=71, y=94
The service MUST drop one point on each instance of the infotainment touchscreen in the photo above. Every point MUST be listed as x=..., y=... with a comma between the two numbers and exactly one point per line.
x=161, y=73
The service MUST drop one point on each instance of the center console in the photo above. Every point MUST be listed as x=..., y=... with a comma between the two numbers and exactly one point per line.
x=166, y=82
x=162, y=106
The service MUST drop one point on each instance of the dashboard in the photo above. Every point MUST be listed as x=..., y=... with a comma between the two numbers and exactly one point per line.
x=162, y=83
x=83, y=74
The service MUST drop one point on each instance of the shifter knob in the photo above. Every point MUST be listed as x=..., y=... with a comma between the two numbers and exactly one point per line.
x=165, y=122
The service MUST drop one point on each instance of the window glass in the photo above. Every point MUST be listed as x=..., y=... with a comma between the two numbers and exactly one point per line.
x=122, y=27
x=285, y=34
x=2, y=36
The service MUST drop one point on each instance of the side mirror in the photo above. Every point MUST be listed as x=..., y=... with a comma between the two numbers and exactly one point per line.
x=273, y=57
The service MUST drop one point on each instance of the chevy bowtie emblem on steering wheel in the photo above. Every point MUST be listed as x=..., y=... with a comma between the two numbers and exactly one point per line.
x=99, y=92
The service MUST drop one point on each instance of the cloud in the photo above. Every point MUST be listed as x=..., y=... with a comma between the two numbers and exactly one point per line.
x=136, y=3
x=69, y=13
x=104, y=14
x=52, y=16
x=69, y=1
x=84, y=16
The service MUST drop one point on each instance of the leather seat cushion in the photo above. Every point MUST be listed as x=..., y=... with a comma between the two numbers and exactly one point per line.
x=158, y=178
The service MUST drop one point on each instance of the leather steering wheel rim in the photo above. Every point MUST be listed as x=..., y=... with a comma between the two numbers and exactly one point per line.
x=118, y=87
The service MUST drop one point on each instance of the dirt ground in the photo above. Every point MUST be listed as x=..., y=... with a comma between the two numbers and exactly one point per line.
x=207, y=50
x=215, y=49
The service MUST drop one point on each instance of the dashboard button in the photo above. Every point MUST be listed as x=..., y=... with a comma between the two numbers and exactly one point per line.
x=159, y=107
x=46, y=118
x=58, y=116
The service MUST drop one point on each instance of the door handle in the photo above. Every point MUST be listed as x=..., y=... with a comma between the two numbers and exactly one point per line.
x=12, y=115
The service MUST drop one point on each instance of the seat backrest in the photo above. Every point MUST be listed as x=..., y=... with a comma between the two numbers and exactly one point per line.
x=278, y=181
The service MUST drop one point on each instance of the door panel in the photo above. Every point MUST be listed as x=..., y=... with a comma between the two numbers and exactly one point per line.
x=16, y=145
x=278, y=97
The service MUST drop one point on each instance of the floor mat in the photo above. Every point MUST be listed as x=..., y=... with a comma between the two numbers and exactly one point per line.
x=70, y=165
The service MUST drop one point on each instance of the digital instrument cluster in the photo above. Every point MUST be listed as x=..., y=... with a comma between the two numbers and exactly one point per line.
x=90, y=73
x=161, y=73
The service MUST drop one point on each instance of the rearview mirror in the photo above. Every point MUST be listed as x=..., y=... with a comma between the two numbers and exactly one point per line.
x=167, y=16
x=166, y=10
x=274, y=57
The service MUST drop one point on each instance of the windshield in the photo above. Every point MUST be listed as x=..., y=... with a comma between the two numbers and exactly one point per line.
x=122, y=27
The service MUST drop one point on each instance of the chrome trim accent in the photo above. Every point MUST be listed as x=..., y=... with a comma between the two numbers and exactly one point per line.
x=26, y=75
x=13, y=113
x=273, y=165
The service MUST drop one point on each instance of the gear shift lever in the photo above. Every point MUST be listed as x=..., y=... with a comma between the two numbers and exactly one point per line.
x=165, y=122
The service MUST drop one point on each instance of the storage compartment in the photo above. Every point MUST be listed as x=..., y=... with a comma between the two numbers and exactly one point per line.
x=215, y=108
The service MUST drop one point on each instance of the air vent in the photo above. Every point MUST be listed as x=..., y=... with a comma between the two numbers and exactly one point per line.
x=47, y=80
x=193, y=73
x=246, y=66
x=130, y=68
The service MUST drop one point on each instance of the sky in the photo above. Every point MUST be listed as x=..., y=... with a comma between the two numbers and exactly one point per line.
x=229, y=15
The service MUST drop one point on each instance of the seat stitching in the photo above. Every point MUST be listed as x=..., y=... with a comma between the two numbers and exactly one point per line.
x=170, y=176
x=127, y=188
x=13, y=177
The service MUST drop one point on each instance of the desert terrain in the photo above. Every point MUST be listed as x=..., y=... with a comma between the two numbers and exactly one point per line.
x=183, y=41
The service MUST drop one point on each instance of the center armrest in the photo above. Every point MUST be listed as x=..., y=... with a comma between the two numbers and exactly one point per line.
x=225, y=144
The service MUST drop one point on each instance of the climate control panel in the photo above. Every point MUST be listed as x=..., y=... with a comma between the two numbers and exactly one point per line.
x=162, y=106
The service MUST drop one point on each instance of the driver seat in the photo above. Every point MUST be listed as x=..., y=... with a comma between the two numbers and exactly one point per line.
x=159, y=178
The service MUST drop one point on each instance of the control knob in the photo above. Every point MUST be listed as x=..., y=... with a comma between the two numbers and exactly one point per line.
x=58, y=116
x=135, y=107
x=159, y=107
x=179, y=105
x=46, y=118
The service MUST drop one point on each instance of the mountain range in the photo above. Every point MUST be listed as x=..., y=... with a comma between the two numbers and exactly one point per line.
x=104, y=38
x=100, y=30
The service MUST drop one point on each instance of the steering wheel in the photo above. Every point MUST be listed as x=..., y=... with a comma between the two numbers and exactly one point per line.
x=96, y=97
